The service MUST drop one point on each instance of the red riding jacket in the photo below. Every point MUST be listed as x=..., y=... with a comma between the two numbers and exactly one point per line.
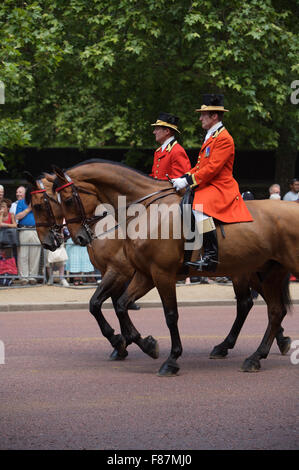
x=173, y=161
x=213, y=181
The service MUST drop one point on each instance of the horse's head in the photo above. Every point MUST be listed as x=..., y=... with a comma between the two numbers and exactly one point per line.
x=78, y=202
x=46, y=209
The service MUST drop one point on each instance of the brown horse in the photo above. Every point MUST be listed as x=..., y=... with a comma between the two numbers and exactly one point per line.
x=263, y=251
x=106, y=255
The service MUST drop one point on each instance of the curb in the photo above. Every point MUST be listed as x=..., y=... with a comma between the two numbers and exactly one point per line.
x=108, y=305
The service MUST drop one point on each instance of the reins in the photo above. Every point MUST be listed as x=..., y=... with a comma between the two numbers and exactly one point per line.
x=87, y=222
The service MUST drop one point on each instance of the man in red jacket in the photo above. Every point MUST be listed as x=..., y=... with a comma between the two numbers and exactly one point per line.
x=213, y=181
x=169, y=159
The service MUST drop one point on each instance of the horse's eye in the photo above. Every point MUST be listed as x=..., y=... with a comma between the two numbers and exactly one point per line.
x=38, y=207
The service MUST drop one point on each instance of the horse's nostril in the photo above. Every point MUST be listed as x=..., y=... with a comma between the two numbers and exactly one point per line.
x=81, y=241
x=50, y=247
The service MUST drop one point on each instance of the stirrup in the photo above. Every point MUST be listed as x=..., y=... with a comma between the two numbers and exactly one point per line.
x=203, y=264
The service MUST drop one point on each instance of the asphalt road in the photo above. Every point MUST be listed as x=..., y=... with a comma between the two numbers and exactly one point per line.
x=60, y=391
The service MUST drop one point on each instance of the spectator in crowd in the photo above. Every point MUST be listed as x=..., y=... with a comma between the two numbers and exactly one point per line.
x=20, y=194
x=30, y=249
x=8, y=267
x=55, y=261
x=7, y=219
x=274, y=191
x=292, y=195
x=1, y=192
x=57, y=266
x=78, y=262
x=275, y=196
x=247, y=196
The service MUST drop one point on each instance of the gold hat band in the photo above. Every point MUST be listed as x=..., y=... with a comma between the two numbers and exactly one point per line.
x=165, y=124
x=204, y=107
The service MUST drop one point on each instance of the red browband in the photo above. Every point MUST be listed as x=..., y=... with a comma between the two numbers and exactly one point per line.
x=38, y=191
x=64, y=186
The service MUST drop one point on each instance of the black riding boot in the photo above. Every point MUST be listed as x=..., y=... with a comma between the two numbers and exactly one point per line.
x=209, y=261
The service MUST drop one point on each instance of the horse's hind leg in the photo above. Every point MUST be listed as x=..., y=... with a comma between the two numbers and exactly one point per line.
x=244, y=304
x=256, y=282
x=137, y=288
x=276, y=295
x=283, y=342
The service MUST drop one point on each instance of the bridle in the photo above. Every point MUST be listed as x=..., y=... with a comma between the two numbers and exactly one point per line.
x=88, y=222
x=51, y=223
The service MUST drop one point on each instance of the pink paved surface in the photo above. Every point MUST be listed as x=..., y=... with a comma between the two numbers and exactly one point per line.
x=60, y=391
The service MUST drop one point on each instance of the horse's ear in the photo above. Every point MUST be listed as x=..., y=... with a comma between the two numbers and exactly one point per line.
x=30, y=178
x=58, y=172
x=49, y=177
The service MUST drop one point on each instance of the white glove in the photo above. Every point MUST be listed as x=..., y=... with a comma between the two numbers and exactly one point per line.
x=179, y=183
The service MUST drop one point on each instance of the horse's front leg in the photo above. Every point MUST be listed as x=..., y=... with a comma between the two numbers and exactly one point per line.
x=110, y=283
x=166, y=286
x=138, y=287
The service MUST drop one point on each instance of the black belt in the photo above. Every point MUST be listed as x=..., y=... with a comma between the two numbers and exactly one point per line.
x=26, y=226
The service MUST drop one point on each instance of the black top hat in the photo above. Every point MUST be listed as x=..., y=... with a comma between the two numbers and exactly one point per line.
x=167, y=120
x=212, y=102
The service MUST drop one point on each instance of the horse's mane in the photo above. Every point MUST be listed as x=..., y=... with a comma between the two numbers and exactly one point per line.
x=30, y=187
x=56, y=182
x=122, y=165
x=27, y=198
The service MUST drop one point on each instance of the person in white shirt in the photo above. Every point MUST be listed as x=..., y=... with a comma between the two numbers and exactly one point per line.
x=275, y=196
x=274, y=191
x=20, y=194
x=293, y=194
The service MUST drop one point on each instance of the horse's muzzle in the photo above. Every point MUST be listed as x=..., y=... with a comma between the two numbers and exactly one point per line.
x=82, y=238
x=51, y=242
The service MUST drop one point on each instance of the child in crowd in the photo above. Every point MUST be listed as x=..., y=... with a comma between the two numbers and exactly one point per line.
x=55, y=261
x=58, y=266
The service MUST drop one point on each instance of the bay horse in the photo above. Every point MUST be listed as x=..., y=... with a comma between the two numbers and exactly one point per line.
x=262, y=251
x=106, y=255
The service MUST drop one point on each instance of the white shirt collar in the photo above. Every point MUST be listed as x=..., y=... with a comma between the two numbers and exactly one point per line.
x=164, y=145
x=213, y=129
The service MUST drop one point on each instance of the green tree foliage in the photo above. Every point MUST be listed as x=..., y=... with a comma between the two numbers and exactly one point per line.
x=98, y=72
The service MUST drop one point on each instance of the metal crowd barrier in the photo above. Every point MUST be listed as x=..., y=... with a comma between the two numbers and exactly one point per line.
x=41, y=277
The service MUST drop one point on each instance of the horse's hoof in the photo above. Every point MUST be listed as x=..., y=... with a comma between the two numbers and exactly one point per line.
x=251, y=365
x=117, y=356
x=219, y=352
x=119, y=343
x=284, y=345
x=168, y=369
x=151, y=347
